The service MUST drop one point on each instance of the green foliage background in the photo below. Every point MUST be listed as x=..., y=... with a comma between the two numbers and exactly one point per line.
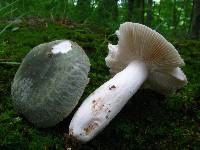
x=106, y=13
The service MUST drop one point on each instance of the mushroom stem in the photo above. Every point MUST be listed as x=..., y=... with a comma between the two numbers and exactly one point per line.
x=106, y=102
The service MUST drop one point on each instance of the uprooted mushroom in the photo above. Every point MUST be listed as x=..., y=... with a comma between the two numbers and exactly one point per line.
x=142, y=58
x=50, y=81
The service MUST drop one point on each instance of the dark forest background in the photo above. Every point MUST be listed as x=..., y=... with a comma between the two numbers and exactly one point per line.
x=173, y=18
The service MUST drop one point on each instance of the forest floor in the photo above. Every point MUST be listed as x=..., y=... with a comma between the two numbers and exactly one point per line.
x=148, y=121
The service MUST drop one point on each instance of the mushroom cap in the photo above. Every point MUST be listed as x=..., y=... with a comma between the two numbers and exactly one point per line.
x=141, y=43
x=50, y=81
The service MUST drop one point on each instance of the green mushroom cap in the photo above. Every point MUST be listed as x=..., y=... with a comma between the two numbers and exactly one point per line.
x=50, y=81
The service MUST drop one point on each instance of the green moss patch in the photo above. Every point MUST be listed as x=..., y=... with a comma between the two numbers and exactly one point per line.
x=148, y=121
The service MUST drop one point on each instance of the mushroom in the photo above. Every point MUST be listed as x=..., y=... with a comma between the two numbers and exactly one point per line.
x=142, y=58
x=50, y=81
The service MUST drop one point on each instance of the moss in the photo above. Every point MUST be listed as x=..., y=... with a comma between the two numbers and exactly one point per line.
x=148, y=121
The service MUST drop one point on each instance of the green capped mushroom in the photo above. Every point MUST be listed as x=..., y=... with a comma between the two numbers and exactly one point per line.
x=50, y=81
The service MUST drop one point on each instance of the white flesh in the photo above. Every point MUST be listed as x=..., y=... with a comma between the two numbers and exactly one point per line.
x=106, y=102
x=62, y=47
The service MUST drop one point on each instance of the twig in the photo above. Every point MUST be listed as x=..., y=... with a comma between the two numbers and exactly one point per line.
x=10, y=24
x=7, y=26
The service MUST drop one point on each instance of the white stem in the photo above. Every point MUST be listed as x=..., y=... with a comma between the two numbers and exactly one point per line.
x=107, y=101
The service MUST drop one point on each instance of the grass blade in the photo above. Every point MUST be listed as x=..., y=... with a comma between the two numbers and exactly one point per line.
x=10, y=24
x=10, y=63
x=8, y=5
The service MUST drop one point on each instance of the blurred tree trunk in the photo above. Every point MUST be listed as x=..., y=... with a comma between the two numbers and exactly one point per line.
x=195, y=25
x=174, y=18
x=159, y=14
x=130, y=10
x=136, y=11
x=83, y=9
x=115, y=10
x=185, y=15
x=108, y=9
x=149, y=12
x=142, y=11
x=65, y=4
x=83, y=3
